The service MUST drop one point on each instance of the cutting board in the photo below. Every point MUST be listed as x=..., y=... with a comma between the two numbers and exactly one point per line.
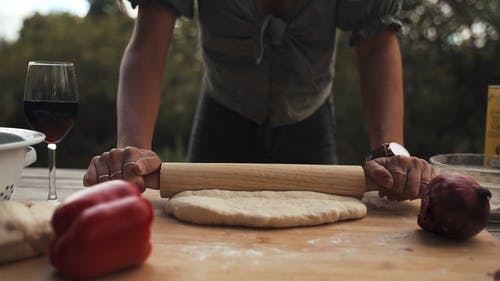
x=385, y=245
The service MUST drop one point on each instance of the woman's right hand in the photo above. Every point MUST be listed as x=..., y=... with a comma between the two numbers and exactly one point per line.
x=129, y=163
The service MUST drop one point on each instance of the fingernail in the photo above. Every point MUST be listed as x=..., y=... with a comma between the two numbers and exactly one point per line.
x=138, y=168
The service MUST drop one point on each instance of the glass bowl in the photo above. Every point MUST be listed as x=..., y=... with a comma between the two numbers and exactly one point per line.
x=485, y=169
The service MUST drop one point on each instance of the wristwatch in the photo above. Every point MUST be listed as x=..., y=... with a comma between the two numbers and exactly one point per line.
x=388, y=150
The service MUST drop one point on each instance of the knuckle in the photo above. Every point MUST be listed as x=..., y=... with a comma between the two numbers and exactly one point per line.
x=115, y=153
x=396, y=161
x=416, y=162
x=423, y=163
x=104, y=156
x=129, y=151
x=400, y=159
x=102, y=160
x=94, y=159
x=368, y=166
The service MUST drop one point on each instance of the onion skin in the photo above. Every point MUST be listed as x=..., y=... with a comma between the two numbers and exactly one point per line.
x=454, y=205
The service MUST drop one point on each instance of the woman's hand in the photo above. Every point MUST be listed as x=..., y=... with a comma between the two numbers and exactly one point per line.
x=129, y=163
x=400, y=177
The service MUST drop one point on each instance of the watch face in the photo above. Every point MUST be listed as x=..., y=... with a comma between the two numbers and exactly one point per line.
x=398, y=149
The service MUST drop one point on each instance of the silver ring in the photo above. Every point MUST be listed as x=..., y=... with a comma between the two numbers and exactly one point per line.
x=398, y=172
x=128, y=164
x=424, y=181
x=115, y=174
x=103, y=176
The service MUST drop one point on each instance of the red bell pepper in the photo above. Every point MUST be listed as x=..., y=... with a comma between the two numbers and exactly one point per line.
x=101, y=229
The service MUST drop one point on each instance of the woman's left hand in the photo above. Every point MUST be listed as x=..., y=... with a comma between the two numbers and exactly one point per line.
x=400, y=177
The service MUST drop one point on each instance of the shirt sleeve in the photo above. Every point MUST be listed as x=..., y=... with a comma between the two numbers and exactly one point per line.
x=368, y=17
x=182, y=7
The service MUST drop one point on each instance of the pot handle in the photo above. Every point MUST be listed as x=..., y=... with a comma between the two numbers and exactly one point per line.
x=29, y=156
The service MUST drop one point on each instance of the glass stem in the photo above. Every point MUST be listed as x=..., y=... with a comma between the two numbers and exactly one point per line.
x=52, y=172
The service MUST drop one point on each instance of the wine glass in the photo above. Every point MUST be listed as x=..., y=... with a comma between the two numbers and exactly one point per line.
x=51, y=106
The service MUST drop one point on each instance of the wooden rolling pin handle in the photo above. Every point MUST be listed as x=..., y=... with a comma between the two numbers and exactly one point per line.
x=333, y=179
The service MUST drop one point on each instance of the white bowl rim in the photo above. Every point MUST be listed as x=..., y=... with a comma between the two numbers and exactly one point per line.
x=29, y=137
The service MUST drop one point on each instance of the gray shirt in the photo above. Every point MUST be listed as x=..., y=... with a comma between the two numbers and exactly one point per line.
x=263, y=66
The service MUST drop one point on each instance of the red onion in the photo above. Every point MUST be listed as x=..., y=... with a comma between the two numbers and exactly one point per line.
x=455, y=206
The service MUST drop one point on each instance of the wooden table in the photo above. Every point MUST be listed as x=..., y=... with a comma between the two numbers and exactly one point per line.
x=385, y=245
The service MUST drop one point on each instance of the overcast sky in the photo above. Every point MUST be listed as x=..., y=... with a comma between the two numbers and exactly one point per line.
x=12, y=12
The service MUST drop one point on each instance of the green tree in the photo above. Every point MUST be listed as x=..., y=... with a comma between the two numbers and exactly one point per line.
x=100, y=8
x=95, y=44
x=450, y=56
x=96, y=53
x=182, y=84
x=449, y=50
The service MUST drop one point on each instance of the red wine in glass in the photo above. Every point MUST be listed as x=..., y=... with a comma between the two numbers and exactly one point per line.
x=51, y=106
x=53, y=118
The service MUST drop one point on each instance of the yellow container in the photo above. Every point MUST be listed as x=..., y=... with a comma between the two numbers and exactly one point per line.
x=492, y=132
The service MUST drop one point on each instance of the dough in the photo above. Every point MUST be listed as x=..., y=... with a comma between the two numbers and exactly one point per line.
x=25, y=229
x=263, y=208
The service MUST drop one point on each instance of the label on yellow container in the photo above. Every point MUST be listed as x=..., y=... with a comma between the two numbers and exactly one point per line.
x=492, y=133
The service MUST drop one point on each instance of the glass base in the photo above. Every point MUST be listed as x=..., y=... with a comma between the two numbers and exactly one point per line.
x=53, y=201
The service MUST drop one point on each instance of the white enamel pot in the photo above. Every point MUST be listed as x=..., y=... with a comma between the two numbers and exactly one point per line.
x=16, y=153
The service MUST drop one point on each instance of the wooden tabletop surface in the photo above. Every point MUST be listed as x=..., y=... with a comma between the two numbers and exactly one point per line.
x=34, y=181
x=385, y=245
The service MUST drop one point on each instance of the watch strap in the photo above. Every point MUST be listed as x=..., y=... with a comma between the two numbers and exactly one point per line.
x=381, y=151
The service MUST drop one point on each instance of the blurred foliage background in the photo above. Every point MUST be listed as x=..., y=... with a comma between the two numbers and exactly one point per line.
x=450, y=50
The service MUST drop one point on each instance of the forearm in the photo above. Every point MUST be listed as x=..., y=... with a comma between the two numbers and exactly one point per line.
x=380, y=72
x=381, y=75
x=138, y=101
x=141, y=73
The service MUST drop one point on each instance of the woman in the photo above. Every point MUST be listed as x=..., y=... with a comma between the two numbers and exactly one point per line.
x=266, y=93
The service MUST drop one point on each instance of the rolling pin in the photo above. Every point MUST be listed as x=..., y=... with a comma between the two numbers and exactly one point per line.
x=343, y=180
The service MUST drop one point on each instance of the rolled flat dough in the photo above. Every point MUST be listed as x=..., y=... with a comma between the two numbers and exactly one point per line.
x=263, y=208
